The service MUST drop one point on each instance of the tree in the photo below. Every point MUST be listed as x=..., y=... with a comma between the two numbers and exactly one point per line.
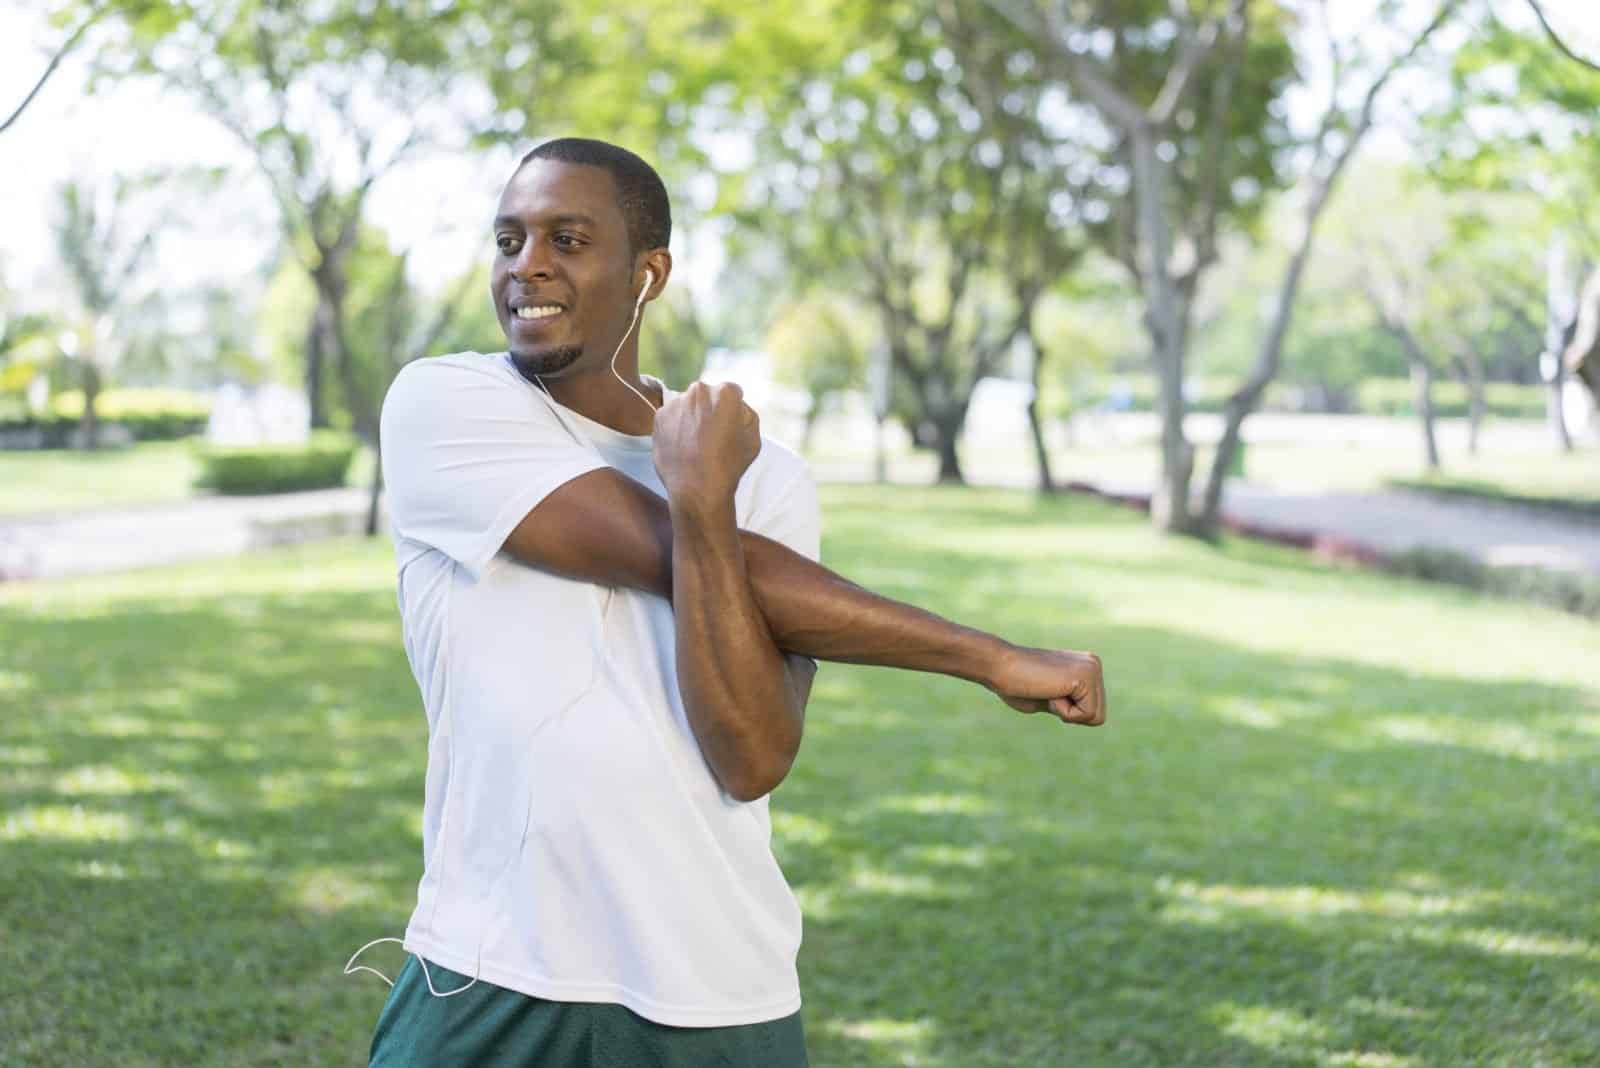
x=674, y=338
x=329, y=98
x=102, y=260
x=147, y=20
x=820, y=343
x=893, y=168
x=1525, y=118
x=1181, y=143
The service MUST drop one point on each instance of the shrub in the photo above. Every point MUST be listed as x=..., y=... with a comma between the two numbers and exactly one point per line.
x=319, y=463
x=1393, y=396
x=1566, y=590
x=149, y=414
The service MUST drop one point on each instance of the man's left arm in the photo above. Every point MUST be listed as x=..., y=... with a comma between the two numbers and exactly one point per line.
x=744, y=697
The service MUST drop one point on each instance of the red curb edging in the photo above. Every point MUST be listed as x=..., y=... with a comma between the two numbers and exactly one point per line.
x=1333, y=547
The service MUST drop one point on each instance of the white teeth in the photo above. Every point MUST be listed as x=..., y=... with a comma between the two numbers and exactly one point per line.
x=542, y=311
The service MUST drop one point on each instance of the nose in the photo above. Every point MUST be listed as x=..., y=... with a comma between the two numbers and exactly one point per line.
x=532, y=262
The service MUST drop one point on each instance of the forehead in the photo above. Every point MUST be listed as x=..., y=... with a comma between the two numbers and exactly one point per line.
x=546, y=189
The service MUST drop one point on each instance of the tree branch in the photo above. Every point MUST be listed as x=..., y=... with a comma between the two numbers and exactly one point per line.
x=55, y=61
x=1196, y=46
x=1556, y=39
x=1088, y=73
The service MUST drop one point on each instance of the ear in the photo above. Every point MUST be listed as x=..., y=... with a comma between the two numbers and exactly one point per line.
x=654, y=270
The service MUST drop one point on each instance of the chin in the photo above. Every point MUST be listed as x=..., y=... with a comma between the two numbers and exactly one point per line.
x=547, y=362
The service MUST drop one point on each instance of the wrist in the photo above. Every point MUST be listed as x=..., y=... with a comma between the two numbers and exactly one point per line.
x=982, y=658
x=700, y=508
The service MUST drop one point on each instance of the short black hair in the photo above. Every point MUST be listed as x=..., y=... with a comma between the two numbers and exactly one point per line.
x=640, y=192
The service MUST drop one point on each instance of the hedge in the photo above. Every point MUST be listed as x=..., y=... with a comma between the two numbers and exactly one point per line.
x=320, y=463
x=1395, y=396
x=1569, y=591
x=147, y=414
x=1374, y=396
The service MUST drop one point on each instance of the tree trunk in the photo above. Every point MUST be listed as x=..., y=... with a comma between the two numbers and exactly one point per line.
x=1557, y=326
x=316, y=403
x=813, y=413
x=1169, y=503
x=1047, y=483
x=1422, y=392
x=880, y=451
x=949, y=462
x=89, y=422
x=376, y=490
x=1472, y=378
x=1164, y=320
x=1041, y=448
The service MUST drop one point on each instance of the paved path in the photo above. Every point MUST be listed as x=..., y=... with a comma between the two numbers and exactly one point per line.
x=85, y=543
x=1497, y=534
x=77, y=543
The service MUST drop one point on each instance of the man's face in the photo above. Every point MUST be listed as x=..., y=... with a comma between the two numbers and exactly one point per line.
x=562, y=280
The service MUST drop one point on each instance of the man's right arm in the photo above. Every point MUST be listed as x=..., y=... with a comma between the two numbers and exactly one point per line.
x=603, y=527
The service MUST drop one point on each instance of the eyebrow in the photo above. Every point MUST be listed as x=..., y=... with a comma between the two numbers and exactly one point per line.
x=569, y=219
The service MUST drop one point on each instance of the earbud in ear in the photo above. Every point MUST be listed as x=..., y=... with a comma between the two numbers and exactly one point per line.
x=649, y=280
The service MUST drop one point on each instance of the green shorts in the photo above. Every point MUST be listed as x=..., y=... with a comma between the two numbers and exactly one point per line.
x=492, y=1026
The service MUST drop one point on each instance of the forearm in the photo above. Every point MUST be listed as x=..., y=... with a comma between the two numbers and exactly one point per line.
x=607, y=529
x=811, y=610
x=731, y=675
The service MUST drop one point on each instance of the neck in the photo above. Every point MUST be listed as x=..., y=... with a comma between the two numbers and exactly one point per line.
x=599, y=396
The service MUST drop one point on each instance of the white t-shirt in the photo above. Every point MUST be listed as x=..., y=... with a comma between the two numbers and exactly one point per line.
x=575, y=844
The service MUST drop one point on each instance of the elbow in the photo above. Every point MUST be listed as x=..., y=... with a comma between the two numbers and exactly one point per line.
x=758, y=773
x=752, y=784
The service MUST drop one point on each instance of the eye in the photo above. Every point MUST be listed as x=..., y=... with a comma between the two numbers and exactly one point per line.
x=566, y=241
x=507, y=244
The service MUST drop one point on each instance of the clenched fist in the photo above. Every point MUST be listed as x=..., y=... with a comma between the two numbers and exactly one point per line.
x=705, y=438
x=1067, y=684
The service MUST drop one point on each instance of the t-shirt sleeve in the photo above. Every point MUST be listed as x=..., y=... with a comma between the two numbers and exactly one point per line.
x=467, y=454
x=792, y=515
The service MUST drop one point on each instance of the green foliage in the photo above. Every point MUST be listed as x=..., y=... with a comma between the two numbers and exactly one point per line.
x=1522, y=119
x=147, y=415
x=674, y=339
x=1564, y=590
x=1395, y=396
x=320, y=463
x=1385, y=854
x=820, y=343
x=472, y=324
x=905, y=164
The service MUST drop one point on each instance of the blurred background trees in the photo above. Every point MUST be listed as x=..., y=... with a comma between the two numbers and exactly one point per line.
x=1145, y=205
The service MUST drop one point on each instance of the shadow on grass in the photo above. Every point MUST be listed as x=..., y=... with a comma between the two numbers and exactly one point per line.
x=1264, y=860
x=207, y=808
x=1352, y=861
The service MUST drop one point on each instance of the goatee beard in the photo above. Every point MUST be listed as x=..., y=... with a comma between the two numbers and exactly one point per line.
x=546, y=362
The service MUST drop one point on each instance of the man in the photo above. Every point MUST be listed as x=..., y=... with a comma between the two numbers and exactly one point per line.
x=611, y=612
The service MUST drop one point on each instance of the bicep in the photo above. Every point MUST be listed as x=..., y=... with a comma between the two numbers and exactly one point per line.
x=601, y=527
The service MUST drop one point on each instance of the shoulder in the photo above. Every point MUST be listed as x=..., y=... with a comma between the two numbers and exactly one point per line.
x=464, y=368
x=463, y=382
x=780, y=464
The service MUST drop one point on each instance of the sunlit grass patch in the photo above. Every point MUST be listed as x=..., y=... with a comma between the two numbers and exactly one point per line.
x=1336, y=819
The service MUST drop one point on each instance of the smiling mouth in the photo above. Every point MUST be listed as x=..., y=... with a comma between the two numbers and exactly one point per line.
x=535, y=311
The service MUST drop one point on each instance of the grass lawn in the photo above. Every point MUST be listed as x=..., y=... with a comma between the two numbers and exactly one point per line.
x=63, y=480
x=1336, y=818
x=59, y=480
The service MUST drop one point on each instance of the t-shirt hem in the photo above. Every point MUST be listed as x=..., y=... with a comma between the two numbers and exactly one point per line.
x=610, y=993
